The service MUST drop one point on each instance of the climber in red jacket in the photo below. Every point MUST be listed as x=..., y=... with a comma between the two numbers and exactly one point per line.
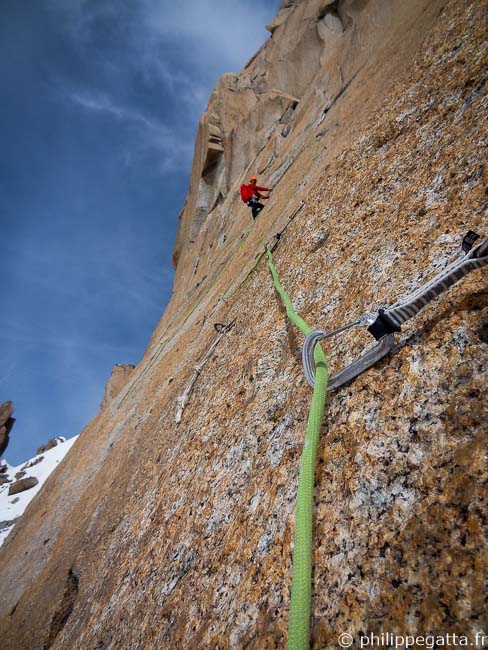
x=250, y=195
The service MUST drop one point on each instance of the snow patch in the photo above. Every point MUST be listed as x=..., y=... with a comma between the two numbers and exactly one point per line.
x=39, y=467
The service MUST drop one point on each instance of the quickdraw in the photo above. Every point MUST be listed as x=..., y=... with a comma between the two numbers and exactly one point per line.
x=383, y=323
x=275, y=240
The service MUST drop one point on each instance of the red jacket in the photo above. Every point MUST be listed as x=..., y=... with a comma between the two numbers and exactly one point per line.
x=255, y=189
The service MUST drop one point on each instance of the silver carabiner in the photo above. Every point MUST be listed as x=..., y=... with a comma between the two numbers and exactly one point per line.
x=355, y=368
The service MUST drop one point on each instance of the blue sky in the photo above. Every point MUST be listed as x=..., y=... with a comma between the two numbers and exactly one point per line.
x=100, y=103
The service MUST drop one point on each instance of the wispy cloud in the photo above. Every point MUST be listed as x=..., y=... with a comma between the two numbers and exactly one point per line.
x=103, y=104
x=179, y=48
x=153, y=134
x=58, y=341
x=229, y=31
x=184, y=45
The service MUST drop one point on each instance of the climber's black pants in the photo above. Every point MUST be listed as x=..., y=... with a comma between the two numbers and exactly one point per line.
x=256, y=207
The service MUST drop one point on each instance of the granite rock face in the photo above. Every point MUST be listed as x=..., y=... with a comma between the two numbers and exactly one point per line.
x=6, y=424
x=180, y=536
x=118, y=379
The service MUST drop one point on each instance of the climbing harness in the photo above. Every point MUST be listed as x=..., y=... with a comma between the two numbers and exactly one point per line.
x=301, y=589
x=383, y=323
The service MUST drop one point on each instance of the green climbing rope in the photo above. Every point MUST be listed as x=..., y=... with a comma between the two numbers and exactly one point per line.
x=301, y=589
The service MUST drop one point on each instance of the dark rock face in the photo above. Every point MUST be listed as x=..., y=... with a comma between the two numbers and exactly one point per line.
x=53, y=442
x=6, y=410
x=64, y=609
x=22, y=485
x=6, y=424
x=36, y=461
x=484, y=331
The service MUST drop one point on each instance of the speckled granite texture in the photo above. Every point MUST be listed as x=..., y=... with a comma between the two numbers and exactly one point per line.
x=176, y=537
